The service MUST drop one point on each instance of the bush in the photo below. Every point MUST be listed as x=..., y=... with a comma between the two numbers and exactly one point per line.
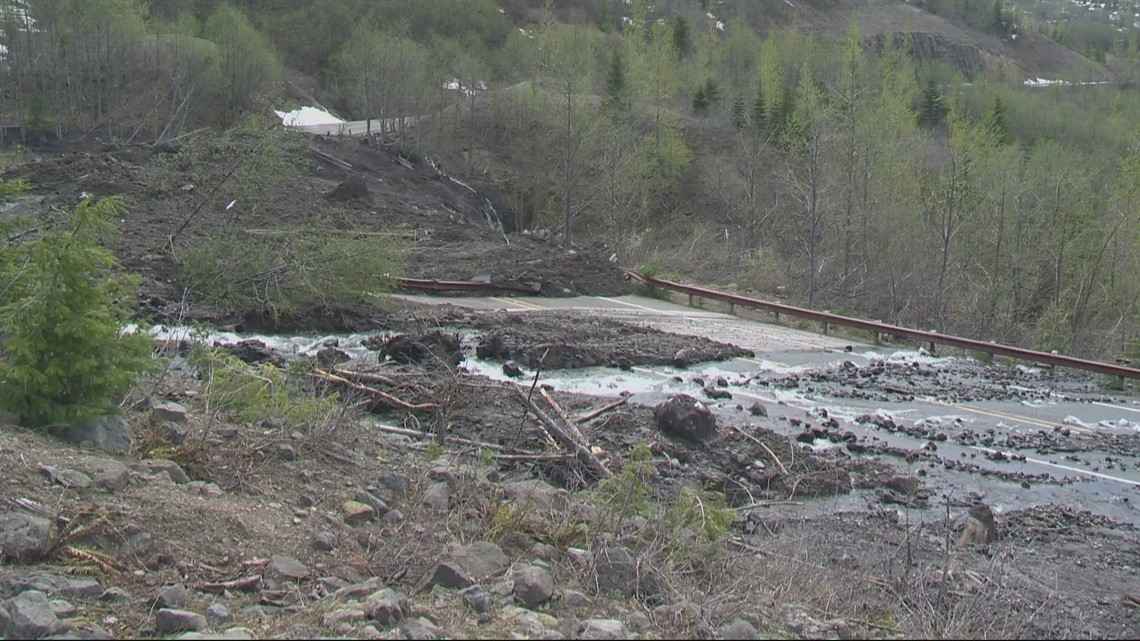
x=62, y=311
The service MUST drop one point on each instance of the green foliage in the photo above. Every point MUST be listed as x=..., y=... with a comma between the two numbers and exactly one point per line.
x=292, y=269
x=933, y=110
x=61, y=318
x=248, y=64
x=253, y=393
x=700, y=102
x=997, y=121
x=9, y=189
x=617, y=87
x=705, y=513
x=739, y=113
x=682, y=39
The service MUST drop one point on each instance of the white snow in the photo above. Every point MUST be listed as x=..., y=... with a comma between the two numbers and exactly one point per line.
x=306, y=116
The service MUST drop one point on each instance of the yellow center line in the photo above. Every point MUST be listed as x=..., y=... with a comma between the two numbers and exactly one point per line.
x=1010, y=417
x=516, y=302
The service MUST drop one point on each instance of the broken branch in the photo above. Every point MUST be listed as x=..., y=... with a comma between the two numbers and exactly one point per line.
x=602, y=410
x=244, y=583
x=766, y=448
x=375, y=393
x=582, y=452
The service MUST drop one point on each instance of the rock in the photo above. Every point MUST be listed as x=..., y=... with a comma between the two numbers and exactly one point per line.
x=286, y=567
x=758, y=410
x=480, y=560
x=356, y=513
x=639, y=621
x=110, y=433
x=903, y=483
x=344, y=617
x=157, y=466
x=420, y=629
x=544, y=552
x=255, y=612
x=111, y=476
x=379, y=507
x=680, y=614
x=67, y=478
x=476, y=599
x=30, y=616
x=573, y=598
x=8, y=418
x=173, y=596
x=358, y=590
x=325, y=541
x=114, y=595
x=396, y=482
x=683, y=357
x=169, y=620
x=218, y=613
x=717, y=393
x=740, y=630
x=285, y=452
x=51, y=584
x=329, y=357
x=533, y=585
x=512, y=369
x=167, y=413
x=350, y=189
x=229, y=634
x=23, y=537
x=618, y=569
x=602, y=629
x=445, y=574
x=387, y=607
x=437, y=497
x=63, y=608
x=253, y=352
x=685, y=417
x=980, y=527
x=173, y=433
x=537, y=495
x=93, y=632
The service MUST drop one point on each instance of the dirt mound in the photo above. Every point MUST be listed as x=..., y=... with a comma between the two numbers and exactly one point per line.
x=350, y=189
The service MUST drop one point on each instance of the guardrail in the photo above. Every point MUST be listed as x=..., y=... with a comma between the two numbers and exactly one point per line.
x=933, y=338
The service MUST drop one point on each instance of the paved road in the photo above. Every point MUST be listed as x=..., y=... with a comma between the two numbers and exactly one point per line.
x=1097, y=487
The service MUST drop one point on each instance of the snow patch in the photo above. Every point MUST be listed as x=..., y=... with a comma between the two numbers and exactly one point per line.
x=306, y=116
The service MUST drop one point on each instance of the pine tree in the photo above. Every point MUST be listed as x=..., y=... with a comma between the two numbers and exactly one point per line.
x=759, y=111
x=700, y=102
x=617, y=87
x=61, y=321
x=739, y=114
x=997, y=121
x=682, y=39
x=933, y=109
x=712, y=92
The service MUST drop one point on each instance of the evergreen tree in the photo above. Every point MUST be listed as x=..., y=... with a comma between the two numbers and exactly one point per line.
x=997, y=121
x=617, y=87
x=682, y=39
x=759, y=110
x=933, y=109
x=739, y=114
x=712, y=92
x=700, y=102
x=61, y=322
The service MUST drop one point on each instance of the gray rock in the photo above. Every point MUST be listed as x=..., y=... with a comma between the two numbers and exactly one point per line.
x=602, y=629
x=109, y=475
x=537, y=495
x=229, y=634
x=23, y=537
x=573, y=598
x=437, y=498
x=544, y=552
x=173, y=596
x=93, y=632
x=30, y=616
x=476, y=599
x=114, y=594
x=358, y=590
x=758, y=409
x=325, y=541
x=739, y=629
x=157, y=466
x=63, y=608
x=51, y=584
x=397, y=483
x=387, y=607
x=330, y=584
x=682, y=613
x=685, y=417
x=286, y=567
x=480, y=560
x=67, y=478
x=173, y=433
x=533, y=585
x=167, y=412
x=110, y=433
x=255, y=612
x=619, y=570
x=344, y=617
x=639, y=621
x=379, y=507
x=446, y=574
x=218, y=613
x=285, y=452
x=357, y=513
x=169, y=620
x=420, y=629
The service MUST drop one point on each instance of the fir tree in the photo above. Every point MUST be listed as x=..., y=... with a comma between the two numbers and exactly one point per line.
x=617, y=88
x=933, y=109
x=700, y=102
x=682, y=39
x=739, y=113
x=997, y=121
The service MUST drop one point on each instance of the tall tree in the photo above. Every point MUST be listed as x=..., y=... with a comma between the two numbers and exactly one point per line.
x=248, y=64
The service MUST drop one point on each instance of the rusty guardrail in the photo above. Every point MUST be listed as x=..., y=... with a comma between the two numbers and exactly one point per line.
x=933, y=338
x=432, y=285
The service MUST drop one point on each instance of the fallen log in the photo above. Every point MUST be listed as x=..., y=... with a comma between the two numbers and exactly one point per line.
x=244, y=583
x=427, y=436
x=589, y=416
x=573, y=430
x=562, y=435
x=366, y=377
x=383, y=397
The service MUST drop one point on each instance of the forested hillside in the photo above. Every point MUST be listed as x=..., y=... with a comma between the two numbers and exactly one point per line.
x=884, y=159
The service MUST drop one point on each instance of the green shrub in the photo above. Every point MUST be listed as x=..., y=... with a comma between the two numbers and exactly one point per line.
x=61, y=317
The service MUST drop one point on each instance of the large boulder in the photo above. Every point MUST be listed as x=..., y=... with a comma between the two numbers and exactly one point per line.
x=29, y=616
x=110, y=433
x=685, y=417
x=23, y=537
